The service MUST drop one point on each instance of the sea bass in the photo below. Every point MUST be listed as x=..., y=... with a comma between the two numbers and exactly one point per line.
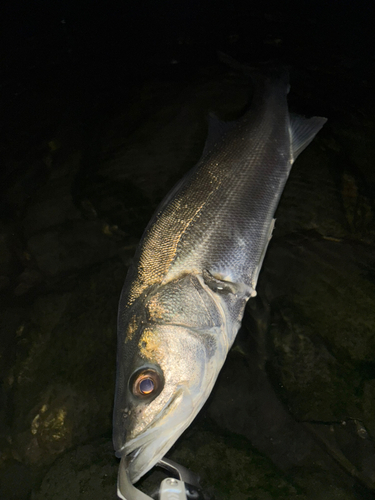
x=194, y=270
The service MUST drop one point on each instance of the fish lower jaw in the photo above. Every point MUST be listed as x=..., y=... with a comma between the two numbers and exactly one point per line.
x=140, y=460
x=132, y=455
x=131, y=451
x=143, y=454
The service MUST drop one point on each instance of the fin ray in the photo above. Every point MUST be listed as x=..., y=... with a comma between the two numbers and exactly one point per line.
x=302, y=131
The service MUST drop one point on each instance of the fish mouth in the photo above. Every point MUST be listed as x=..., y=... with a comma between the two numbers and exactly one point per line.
x=141, y=458
x=141, y=453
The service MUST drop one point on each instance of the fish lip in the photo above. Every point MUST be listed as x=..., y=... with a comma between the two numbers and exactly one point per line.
x=131, y=454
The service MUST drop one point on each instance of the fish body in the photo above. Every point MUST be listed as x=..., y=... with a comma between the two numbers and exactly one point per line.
x=195, y=268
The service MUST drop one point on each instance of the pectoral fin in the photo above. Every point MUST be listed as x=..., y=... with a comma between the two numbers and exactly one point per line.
x=223, y=287
x=254, y=278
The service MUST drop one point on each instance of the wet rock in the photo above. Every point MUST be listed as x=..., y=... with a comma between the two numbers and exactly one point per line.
x=338, y=457
x=368, y=402
x=229, y=467
x=4, y=282
x=6, y=255
x=54, y=422
x=350, y=445
x=310, y=200
x=244, y=401
x=15, y=481
x=27, y=175
x=355, y=137
x=60, y=238
x=11, y=326
x=322, y=486
x=52, y=204
x=87, y=473
x=320, y=347
x=358, y=208
x=76, y=245
x=322, y=340
x=27, y=280
x=63, y=383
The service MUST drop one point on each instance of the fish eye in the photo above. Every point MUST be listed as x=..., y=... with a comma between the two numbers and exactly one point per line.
x=146, y=383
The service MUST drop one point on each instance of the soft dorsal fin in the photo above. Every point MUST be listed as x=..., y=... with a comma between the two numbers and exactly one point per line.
x=303, y=130
x=216, y=130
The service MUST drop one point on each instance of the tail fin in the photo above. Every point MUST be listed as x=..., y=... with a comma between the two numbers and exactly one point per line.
x=303, y=130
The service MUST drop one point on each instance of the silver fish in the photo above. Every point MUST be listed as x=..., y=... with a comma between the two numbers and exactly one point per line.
x=194, y=270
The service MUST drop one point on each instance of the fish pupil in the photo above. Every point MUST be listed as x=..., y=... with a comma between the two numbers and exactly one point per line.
x=146, y=386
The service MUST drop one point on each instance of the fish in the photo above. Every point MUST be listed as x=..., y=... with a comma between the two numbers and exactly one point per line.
x=194, y=270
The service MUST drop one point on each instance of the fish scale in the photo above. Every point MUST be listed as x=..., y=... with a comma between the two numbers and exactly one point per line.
x=194, y=270
x=240, y=206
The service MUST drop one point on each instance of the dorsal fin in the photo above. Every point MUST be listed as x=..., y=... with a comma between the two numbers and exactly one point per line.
x=303, y=130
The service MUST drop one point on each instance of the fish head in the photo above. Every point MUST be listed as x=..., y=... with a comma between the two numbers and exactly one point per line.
x=164, y=377
x=171, y=347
